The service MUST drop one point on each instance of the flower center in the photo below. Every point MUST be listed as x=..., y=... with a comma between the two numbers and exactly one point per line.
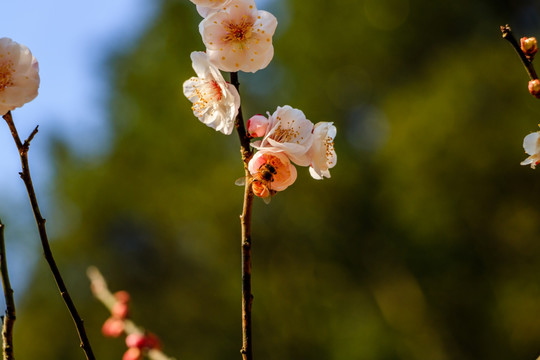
x=239, y=32
x=6, y=72
x=284, y=135
x=329, y=144
x=208, y=94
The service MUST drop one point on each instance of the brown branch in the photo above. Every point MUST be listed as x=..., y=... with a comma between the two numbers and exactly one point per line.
x=508, y=35
x=245, y=220
x=9, y=318
x=40, y=221
x=101, y=291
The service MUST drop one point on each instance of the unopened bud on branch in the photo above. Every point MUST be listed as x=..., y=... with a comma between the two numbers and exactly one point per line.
x=534, y=88
x=529, y=46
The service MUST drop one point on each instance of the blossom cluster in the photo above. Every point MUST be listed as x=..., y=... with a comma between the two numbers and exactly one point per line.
x=238, y=37
x=288, y=136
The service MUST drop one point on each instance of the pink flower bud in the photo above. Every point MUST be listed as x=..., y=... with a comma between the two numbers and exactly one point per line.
x=135, y=340
x=146, y=341
x=257, y=125
x=122, y=296
x=120, y=310
x=534, y=87
x=133, y=354
x=529, y=46
x=113, y=327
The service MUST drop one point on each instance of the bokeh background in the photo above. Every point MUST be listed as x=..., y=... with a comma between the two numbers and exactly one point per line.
x=424, y=244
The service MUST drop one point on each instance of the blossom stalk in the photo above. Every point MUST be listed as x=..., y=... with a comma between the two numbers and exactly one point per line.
x=245, y=221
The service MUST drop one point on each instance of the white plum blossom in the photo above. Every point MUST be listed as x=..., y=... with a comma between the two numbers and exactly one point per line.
x=271, y=172
x=289, y=132
x=19, y=75
x=531, y=144
x=238, y=37
x=215, y=102
x=206, y=7
x=322, y=153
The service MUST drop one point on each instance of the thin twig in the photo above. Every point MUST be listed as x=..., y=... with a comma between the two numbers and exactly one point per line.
x=101, y=291
x=40, y=221
x=508, y=35
x=245, y=220
x=9, y=318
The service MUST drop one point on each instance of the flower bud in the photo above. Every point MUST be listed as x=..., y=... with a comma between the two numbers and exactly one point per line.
x=152, y=341
x=135, y=341
x=529, y=46
x=133, y=354
x=534, y=88
x=120, y=310
x=122, y=296
x=146, y=341
x=113, y=327
x=257, y=125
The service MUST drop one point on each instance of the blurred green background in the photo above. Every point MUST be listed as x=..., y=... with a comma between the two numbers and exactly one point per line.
x=423, y=245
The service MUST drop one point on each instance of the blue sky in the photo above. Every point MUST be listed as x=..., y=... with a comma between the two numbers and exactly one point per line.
x=71, y=40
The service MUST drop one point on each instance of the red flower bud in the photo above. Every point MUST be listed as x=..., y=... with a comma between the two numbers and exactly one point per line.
x=133, y=354
x=120, y=310
x=135, y=340
x=529, y=46
x=113, y=327
x=122, y=296
x=146, y=341
x=534, y=87
x=152, y=341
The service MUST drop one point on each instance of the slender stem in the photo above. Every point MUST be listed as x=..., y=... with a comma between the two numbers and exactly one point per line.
x=508, y=35
x=40, y=221
x=245, y=220
x=9, y=318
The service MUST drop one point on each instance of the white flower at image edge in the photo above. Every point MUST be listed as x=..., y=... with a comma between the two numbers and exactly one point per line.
x=289, y=132
x=238, y=37
x=531, y=144
x=322, y=153
x=215, y=102
x=206, y=7
x=19, y=75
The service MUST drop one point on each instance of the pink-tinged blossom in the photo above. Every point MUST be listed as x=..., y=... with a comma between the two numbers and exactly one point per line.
x=238, y=37
x=215, y=102
x=257, y=125
x=289, y=132
x=322, y=153
x=19, y=75
x=271, y=172
x=531, y=144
